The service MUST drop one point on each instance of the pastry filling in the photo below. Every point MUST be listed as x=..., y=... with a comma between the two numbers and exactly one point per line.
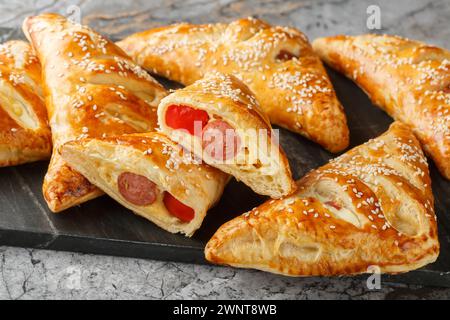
x=334, y=204
x=140, y=191
x=177, y=208
x=285, y=55
x=447, y=89
x=219, y=139
x=184, y=117
x=137, y=189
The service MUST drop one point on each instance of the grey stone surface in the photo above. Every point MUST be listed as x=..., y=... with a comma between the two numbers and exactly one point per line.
x=40, y=274
x=425, y=20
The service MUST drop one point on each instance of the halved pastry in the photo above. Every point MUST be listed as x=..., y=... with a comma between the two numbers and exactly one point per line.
x=372, y=206
x=92, y=89
x=408, y=79
x=276, y=63
x=220, y=121
x=24, y=132
x=151, y=175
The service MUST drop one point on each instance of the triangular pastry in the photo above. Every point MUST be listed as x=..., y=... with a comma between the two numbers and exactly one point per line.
x=24, y=132
x=408, y=79
x=276, y=63
x=372, y=206
x=220, y=121
x=92, y=89
x=151, y=175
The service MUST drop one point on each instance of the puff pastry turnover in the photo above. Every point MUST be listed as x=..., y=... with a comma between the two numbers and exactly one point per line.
x=24, y=132
x=92, y=89
x=371, y=206
x=220, y=121
x=410, y=80
x=151, y=175
x=276, y=63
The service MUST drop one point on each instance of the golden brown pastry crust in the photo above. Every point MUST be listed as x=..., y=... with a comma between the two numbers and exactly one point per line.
x=92, y=89
x=276, y=63
x=24, y=132
x=260, y=162
x=371, y=206
x=159, y=159
x=408, y=79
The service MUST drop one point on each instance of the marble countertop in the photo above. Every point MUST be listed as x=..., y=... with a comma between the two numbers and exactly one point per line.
x=39, y=274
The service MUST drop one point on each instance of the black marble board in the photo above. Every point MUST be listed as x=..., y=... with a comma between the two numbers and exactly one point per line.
x=102, y=226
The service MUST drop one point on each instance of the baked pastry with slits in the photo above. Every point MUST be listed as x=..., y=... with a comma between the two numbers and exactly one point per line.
x=276, y=63
x=220, y=121
x=408, y=79
x=151, y=175
x=92, y=89
x=372, y=206
x=24, y=132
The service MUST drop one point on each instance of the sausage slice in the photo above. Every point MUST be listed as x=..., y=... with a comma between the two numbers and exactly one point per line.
x=137, y=189
x=220, y=140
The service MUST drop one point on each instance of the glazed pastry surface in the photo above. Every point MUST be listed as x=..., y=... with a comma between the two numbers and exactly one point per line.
x=233, y=134
x=408, y=79
x=276, y=63
x=24, y=132
x=372, y=206
x=138, y=170
x=92, y=89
